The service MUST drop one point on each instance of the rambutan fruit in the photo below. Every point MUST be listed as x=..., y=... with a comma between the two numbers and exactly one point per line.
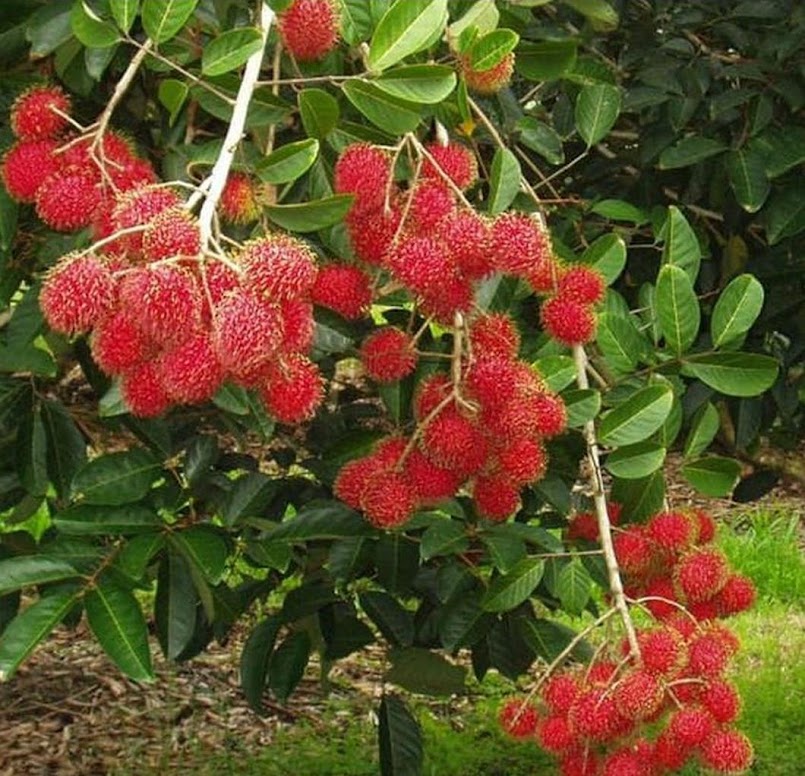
x=582, y=284
x=704, y=610
x=216, y=280
x=114, y=152
x=26, y=166
x=119, y=345
x=36, y=113
x=388, y=354
x=706, y=526
x=452, y=294
x=559, y=692
x=628, y=762
x=708, y=655
x=131, y=175
x=343, y=288
x=67, y=200
x=431, y=483
x=278, y=267
x=421, y=263
x=298, y=325
x=673, y=532
x=523, y=461
x=633, y=551
x=550, y=414
x=246, y=332
x=78, y=292
x=583, y=526
x=363, y=170
x=700, y=574
x=466, y=237
x=543, y=277
x=164, y=301
x=139, y=207
x=350, y=483
x=594, y=716
x=737, y=595
x=727, y=751
x=638, y=695
x=495, y=497
x=293, y=389
x=454, y=160
x=668, y=753
x=495, y=334
x=308, y=29
x=691, y=726
x=554, y=735
x=721, y=699
x=432, y=201
x=662, y=599
x=171, y=233
x=518, y=718
x=142, y=391
x=429, y=394
x=580, y=762
x=488, y=81
x=191, y=372
x=518, y=243
x=388, y=500
x=239, y=200
x=450, y=439
x=602, y=673
x=371, y=233
x=568, y=322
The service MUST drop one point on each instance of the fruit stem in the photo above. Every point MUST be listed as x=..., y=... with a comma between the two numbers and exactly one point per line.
x=220, y=171
x=604, y=523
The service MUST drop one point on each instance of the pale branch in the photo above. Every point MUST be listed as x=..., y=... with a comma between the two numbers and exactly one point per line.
x=234, y=133
x=600, y=502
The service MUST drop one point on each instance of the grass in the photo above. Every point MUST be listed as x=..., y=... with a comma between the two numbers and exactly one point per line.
x=462, y=738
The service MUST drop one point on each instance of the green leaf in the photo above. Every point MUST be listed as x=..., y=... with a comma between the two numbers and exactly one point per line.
x=482, y=15
x=597, y=109
x=733, y=374
x=689, y=151
x=124, y=12
x=29, y=570
x=90, y=29
x=642, y=497
x=549, y=639
x=330, y=520
x=172, y=94
x=747, y=174
x=504, y=180
x=713, y=475
x=319, y=111
x=541, y=138
x=490, y=49
x=399, y=739
x=391, y=114
x=607, y=254
x=311, y=216
x=136, y=554
x=117, y=621
x=621, y=342
x=447, y=537
x=678, y=310
x=49, y=27
x=287, y=665
x=343, y=632
x=505, y=551
x=601, y=15
x=162, y=19
x=249, y=496
x=32, y=453
x=546, y=60
x=392, y=620
x=782, y=148
x=232, y=398
x=356, y=21
x=405, y=29
x=175, y=605
x=638, y=417
x=27, y=358
x=784, y=214
x=67, y=449
x=619, y=210
x=636, y=461
x=428, y=84
x=117, y=478
x=203, y=547
x=582, y=406
x=419, y=670
x=29, y=627
x=9, y=214
x=557, y=371
x=681, y=247
x=255, y=659
x=91, y=520
x=230, y=50
x=737, y=308
x=289, y=162
x=265, y=108
x=703, y=429
x=508, y=591
x=574, y=586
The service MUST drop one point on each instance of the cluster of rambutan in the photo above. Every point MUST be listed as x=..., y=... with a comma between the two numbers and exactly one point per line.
x=485, y=434
x=642, y=717
x=670, y=562
x=439, y=248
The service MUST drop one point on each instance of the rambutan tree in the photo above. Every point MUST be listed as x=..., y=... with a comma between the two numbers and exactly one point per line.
x=304, y=296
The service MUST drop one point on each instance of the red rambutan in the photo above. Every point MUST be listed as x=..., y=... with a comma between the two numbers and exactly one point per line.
x=466, y=236
x=628, y=762
x=550, y=414
x=700, y=574
x=496, y=498
x=363, y=170
x=191, y=372
x=343, y=288
x=421, y=263
x=633, y=550
x=518, y=243
x=298, y=325
x=727, y=751
x=293, y=389
x=491, y=80
x=309, y=29
x=278, y=268
x=518, y=718
x=691, y=726
x=26, y=166
x=451, y=440
x=388, y=500
x=431, y=483
x=582, y=284
x=239, y=199
x=543, y=277
x=662, y=595
x=35, y=114
x=672, y=532
x=737, y=595
x=171, y=233
x=431, y=202
x=350, y=483
x=142, y=391
x=567, y=321
x=638, y=695
x=523, y=461
x=554, y=734
x=559, y=692
x=67, y=200
x=430, y=393
x=455, y=161
x=139, y=207
x=721, y=699
x=668, y=753
x=371, y=233
x=706, y=525
x=119, y=345
x=452, y=294
x=708, y=655
x=495, y=335
x=580, y=762
x=388, y=355
x=594, y=716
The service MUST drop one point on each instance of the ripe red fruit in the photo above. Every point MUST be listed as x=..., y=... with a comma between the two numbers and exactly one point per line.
x=246, y=332
x=191, y=372
x=278, y=268
x=118, y=345
x=142, y=391
x=466, y=237
x=523, y=461
x=350, y=483
x=451, y=440
x=496, y=498
x=33, y=116
x=554, y=734
x=430, y=393
x=638, y=695
x=518, y=243
x=663, y=651
x=388, y=355
x=550, y=414
x=132, y=174
x=450, y=295
x=708, y=655
x=309, y=29
x=673, y=532
x=298, y=325
x=737, y=595
x=491, y=80
x=139, y=207
x=668, y=754
x=455, y=160
x=567, y=321
x=602, y=673
x=583, y=526
x=114, y=152
x=727, y=751
x=164, y=301
x=721, y=699
x=518, y=718
x=67, y=200
x=77, y=294
x=495, y=335
x=691, y=726
x=432, y=201
x=700, y=574
x=239, y=199
x=371, y=233
x=216, y=280
x=543, y=277
x=706, y=525
x=662, y=590
x=363, y=170
x=580, y=762
x=633, y=550
x=559, y=692
x=343, y=288
x=420, y=263
x=171, y=233
x=293, y=389
x=594, y=716
x=388, y=500
x=431, y=483
x=582, y=284
x=628, y=762
x=26, y=166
